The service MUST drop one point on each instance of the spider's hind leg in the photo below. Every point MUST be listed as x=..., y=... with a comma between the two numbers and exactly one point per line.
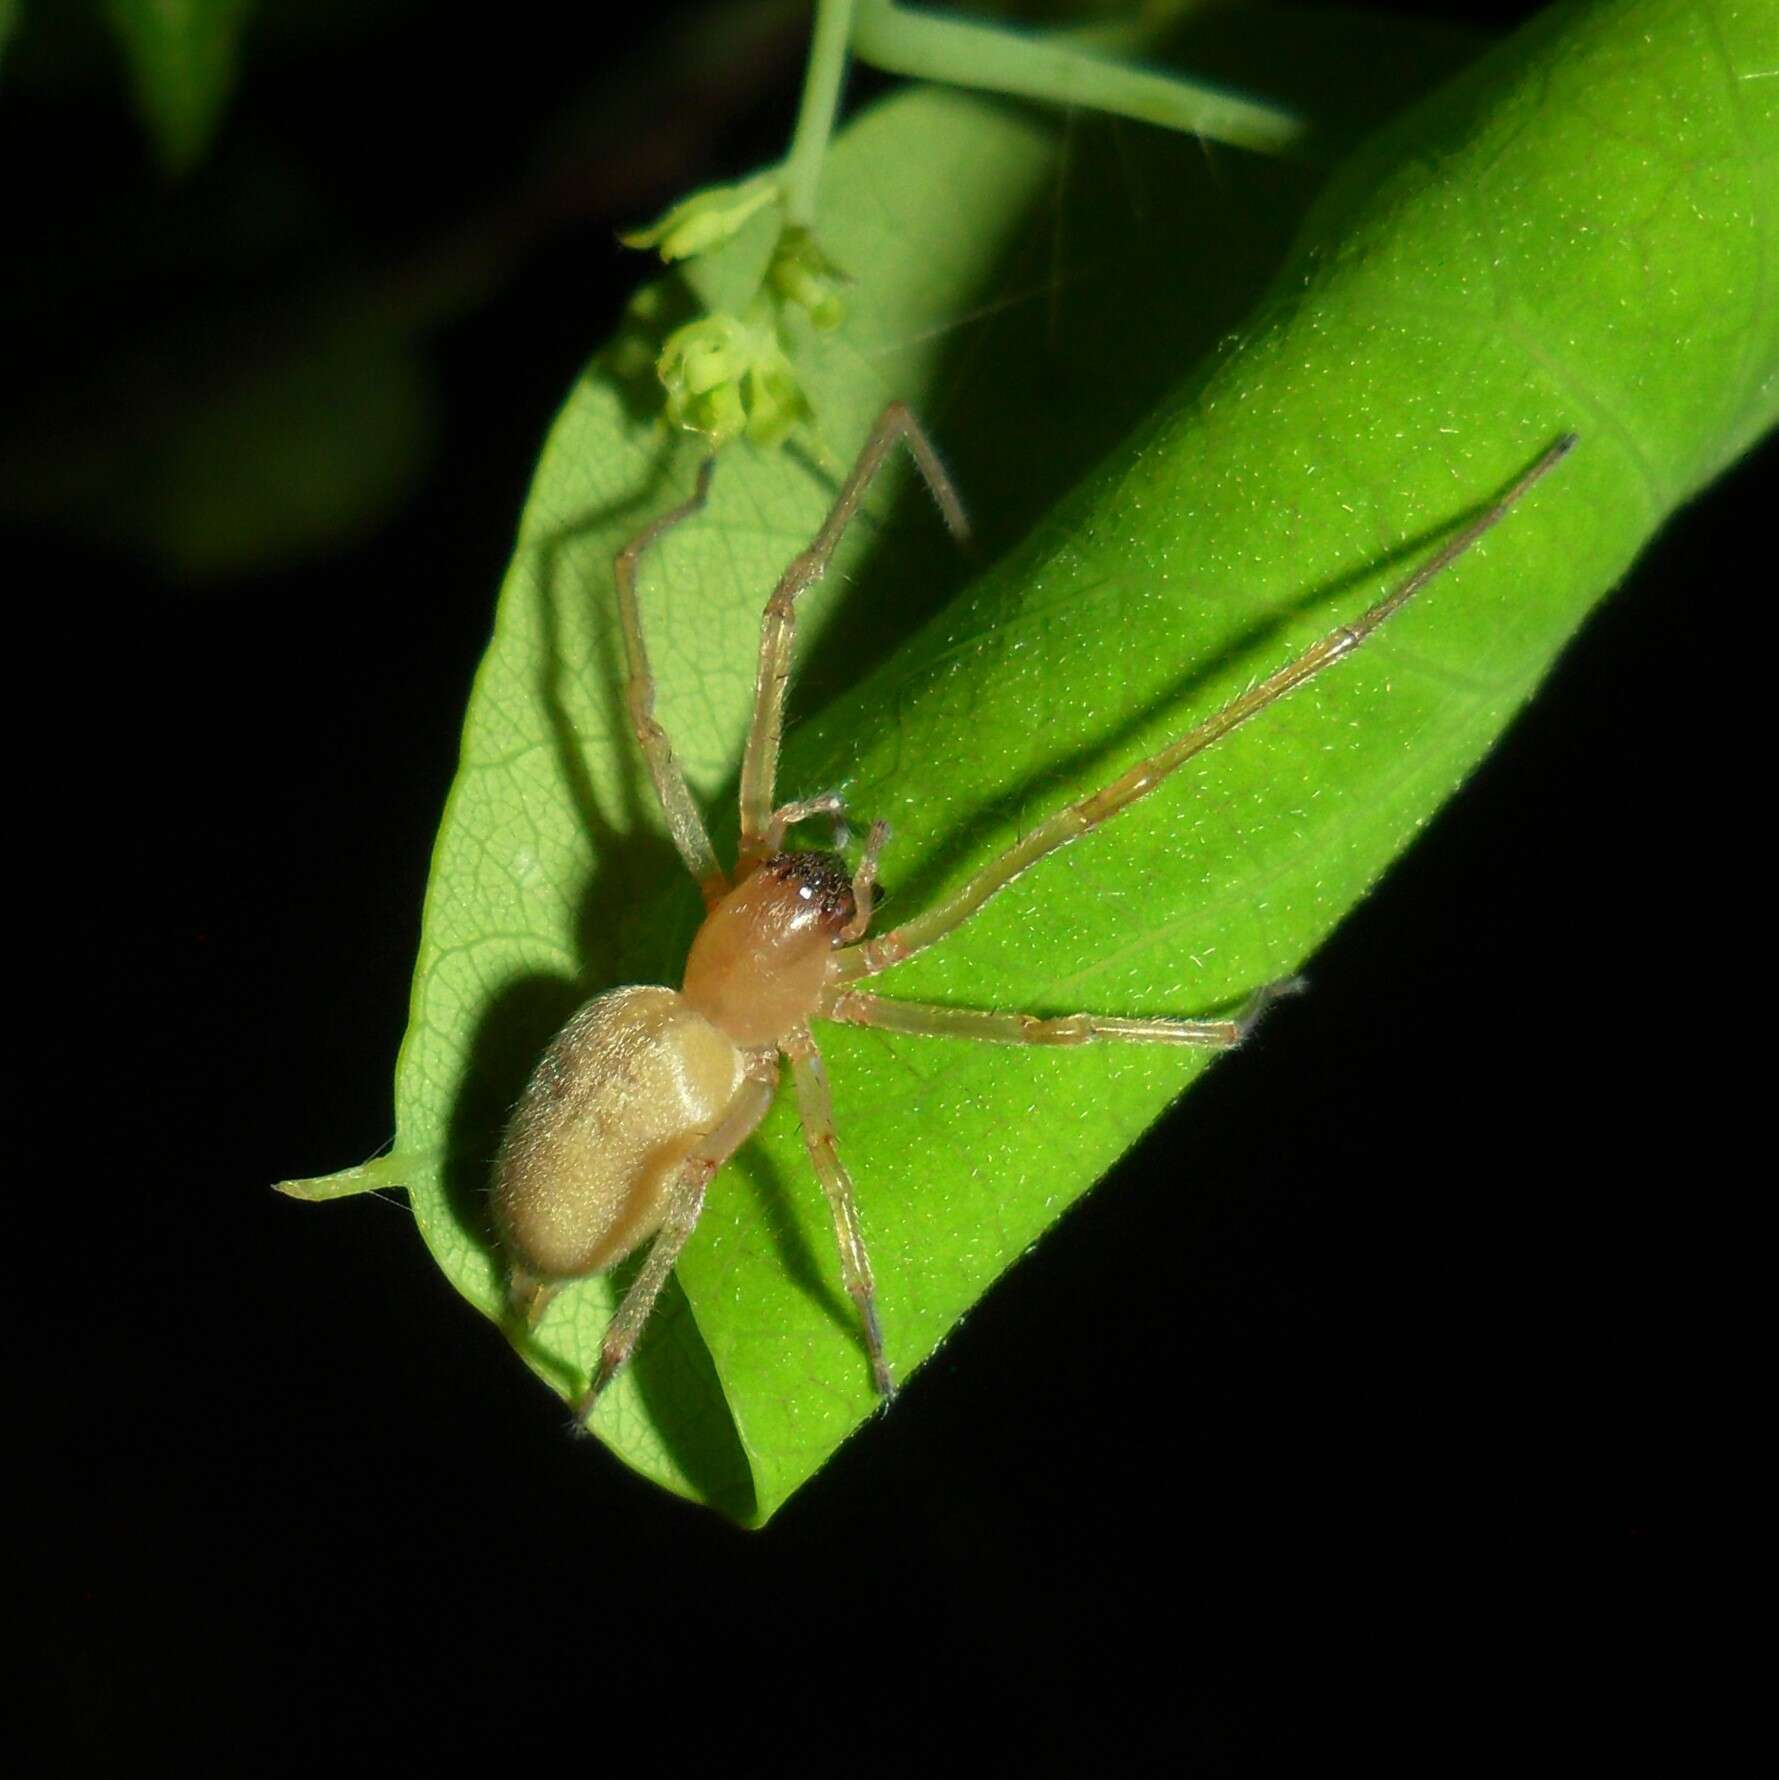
x=750, y=1105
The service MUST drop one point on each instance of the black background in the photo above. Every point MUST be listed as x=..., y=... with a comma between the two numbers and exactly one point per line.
x=1354, y=1408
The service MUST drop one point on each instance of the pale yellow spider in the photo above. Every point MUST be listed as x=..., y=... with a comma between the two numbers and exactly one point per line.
x=647, y=1092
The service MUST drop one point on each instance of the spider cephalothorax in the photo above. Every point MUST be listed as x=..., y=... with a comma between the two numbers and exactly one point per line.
x=759, y=963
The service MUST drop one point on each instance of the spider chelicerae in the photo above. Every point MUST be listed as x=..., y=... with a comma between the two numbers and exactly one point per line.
x=647, y=1091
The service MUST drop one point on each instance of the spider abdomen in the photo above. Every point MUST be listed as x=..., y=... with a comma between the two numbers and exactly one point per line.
x=613, y=1108
x=759, y=963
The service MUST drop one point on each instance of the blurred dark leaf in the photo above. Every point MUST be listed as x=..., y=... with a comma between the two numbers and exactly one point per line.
x=238, y=371
x=182, y=56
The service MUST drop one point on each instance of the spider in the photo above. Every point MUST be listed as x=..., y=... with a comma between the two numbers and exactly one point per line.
x=648, y=1091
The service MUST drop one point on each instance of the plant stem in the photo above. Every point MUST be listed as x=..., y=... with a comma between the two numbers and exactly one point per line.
x=926, y=47
x=815, y=116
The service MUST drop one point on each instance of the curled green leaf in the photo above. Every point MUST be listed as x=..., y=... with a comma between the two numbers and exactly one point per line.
x=1577, y=234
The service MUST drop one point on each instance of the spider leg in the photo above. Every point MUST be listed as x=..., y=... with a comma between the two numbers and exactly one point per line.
x=529, y=1295
x=830, y=803
x=686, y=1202
x=816, y=1109
x=925, y=1020
x=864, y=883
x=683, y=821
x=1131, y=786
x=778, y=626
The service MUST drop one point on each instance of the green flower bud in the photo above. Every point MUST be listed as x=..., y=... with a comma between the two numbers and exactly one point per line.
x=802, y=274
x=706, y=219
x=725, y=376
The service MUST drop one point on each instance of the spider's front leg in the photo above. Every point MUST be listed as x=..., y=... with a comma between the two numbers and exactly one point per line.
x=683, y=820
x=778, y=625
x=1143, y=779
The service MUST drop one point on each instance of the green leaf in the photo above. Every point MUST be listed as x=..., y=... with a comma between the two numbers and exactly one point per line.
x=182, y=57
x=1578, y=233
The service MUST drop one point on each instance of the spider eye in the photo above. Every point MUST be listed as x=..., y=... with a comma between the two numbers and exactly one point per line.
x=818, y=879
